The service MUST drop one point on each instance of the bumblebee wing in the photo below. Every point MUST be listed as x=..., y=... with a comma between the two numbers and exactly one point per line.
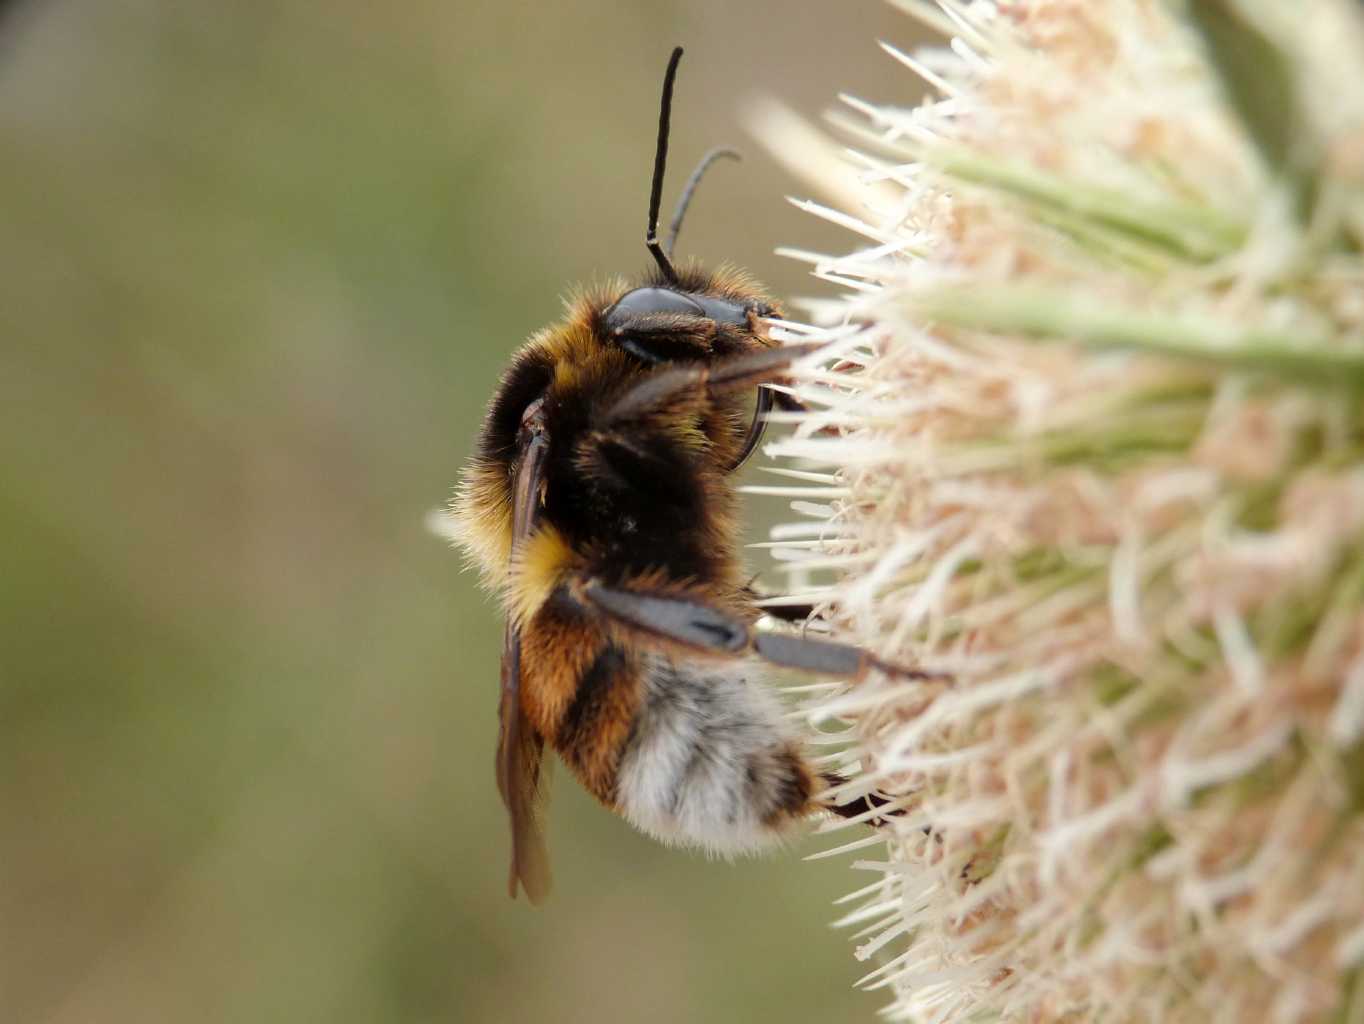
x=520, y=754
x=520, y=749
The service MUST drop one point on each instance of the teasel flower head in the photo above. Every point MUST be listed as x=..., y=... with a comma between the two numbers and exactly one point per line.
x=1092, y=442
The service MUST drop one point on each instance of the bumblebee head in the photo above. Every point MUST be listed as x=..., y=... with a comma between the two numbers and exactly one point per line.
x=609, y=340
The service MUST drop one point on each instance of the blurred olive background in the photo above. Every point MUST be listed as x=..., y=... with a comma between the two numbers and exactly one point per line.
x=260, y=264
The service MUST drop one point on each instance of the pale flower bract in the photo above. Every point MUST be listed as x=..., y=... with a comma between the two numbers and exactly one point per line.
x=1093, y=442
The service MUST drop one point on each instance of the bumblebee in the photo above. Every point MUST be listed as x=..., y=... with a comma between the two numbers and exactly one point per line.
x=599, y=505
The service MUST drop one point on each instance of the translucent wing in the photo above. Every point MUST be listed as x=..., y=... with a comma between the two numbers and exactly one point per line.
x=520, y=750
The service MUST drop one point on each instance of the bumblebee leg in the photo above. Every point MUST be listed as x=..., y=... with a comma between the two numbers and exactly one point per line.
x=665, y=338
x=680, y=620
x=767, y=398
x=860, y=805
x=664, y=342
x=662, y=391
x=756, y=428
x=797, y=613
x=826, y=657
x=704, y=628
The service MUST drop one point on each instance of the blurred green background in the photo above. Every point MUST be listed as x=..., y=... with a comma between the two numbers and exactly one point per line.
x=260, y=264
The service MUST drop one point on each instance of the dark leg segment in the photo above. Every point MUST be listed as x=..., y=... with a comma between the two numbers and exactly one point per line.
x=861, y=805
x=825, y=657
x=686, y=622
x=755, y=428
x=666, y=388
x=787, y=612
x=664, y=342
x=707, y=629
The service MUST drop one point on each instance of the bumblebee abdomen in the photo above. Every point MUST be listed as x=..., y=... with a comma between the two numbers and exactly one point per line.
x=595, y=725
x=579, y=691
x=710, y=760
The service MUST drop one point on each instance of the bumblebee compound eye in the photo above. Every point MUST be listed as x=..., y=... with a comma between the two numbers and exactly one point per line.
x=645, y=302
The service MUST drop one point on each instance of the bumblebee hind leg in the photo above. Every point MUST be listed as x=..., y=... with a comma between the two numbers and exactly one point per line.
x=692, y=623
x=859, y=806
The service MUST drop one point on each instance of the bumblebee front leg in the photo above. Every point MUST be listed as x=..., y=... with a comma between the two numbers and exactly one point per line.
x=693, y=387
x=664, y=391
x=694, y=624
x=665, y=340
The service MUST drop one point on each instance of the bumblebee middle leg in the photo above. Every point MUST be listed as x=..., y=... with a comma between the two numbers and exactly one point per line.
x=794, y=613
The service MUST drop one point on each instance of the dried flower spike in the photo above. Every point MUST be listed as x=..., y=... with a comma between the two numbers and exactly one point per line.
x=1096, y=445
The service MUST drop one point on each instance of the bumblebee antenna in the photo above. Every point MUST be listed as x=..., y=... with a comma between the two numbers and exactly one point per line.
x=692, y=182
x=660, y=163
